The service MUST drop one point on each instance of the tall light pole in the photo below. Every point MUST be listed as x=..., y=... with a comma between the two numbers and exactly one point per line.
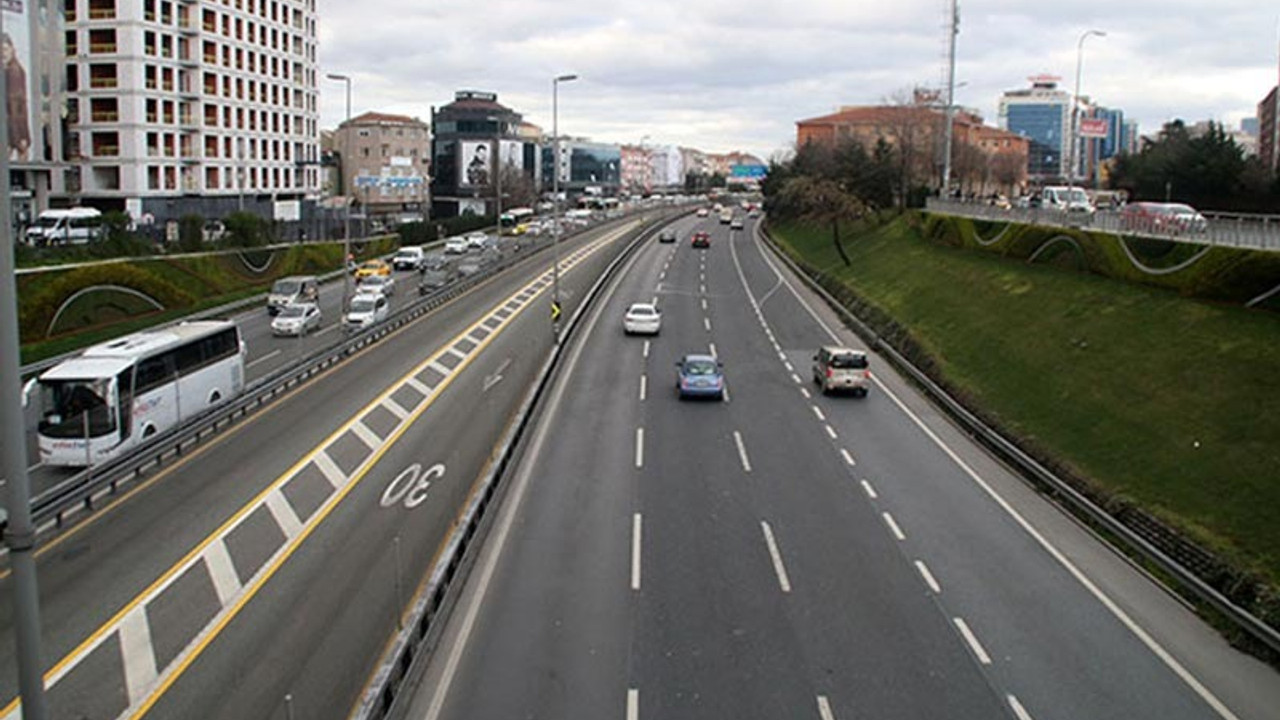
x=1072, y=143
x=346, y=195
x=951, y=97
x=555, y=191
x=20, y=536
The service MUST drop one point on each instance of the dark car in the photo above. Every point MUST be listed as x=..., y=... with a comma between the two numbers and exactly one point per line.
x=700, y=376
x=667, y=236
x=700, y=240
x=434, y=280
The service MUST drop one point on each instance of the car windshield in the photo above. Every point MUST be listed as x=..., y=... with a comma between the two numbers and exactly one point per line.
x=643, y=310
x=285, y=287
x=373, y=280
x=293, y=311
x=849, y=361
x=699, y=367
x=362, y=305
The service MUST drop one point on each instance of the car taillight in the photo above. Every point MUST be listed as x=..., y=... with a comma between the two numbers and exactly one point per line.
x=866, y=374
x=830, y=372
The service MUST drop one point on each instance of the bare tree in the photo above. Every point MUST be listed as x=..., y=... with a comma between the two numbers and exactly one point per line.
x=518, y=189
x=821, y=202
x=1007, y=169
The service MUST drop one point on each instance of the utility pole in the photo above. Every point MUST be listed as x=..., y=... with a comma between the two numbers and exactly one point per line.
x=21, y=533
x=555, y=184
x=951, y=93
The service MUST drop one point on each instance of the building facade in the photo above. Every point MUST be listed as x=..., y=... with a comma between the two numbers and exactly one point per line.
x=477, y=142
x=585, y=167
x=1269, y=130
x=179, y=107
x=384, y=162
x=637, y=172
x=1042, y=114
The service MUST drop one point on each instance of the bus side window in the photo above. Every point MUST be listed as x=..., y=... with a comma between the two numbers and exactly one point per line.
x=124, y=388
x=151, y=372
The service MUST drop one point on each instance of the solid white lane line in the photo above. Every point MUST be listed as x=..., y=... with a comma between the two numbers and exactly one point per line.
x=742, y=451
x=928, y=577
x=136, y=652
x=643, y=385
x=284, y=514
x=646, y=349
x=824, y=708
x=1018, y=710
x=639, y=447
x=830, y=431
x=706, y=323
x=972, y=639
x=635, y=551
x=783, y=581
x=893, y=526
x=818, y=411
x=262, y=359
x=713, y=351
x=366, y=435
x=222, y=571
x=633, y=704
x=871, y=492
x=329, y=469
x=848, y=459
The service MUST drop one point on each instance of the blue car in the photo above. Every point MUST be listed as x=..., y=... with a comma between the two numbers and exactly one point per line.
x=700, y=376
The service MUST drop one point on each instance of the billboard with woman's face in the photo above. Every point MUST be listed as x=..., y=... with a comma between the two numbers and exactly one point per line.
x=475, y=165
x=16, y=56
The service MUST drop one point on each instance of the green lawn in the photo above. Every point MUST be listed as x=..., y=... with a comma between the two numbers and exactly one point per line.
x=1170, y=402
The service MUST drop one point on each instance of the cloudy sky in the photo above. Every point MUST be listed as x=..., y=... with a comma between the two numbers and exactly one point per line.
x=725, y=75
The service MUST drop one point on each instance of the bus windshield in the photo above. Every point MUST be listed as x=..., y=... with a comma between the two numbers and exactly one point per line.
x=67, y=404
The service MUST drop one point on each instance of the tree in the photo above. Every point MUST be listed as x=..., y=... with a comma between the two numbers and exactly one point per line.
x=190, y=233
x=821, y=202
x=518, y=189
x=246, y=230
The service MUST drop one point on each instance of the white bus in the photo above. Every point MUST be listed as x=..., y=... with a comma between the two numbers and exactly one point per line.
x=117, y=394
x=513, y=220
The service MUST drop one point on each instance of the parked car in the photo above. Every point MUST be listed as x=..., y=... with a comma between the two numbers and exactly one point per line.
x=296, y=319
x=293, y=289
x=456, y=245
x=366, y=309
x=700, y=376
x=668, y=235
x=839, y=368
x=642, y=319
x=700, y=240
x=372, y=267
x=381, y=284
x=408, y=258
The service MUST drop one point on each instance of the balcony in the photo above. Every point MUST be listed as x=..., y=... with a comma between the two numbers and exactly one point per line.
x=106, y=151
x=105, y=83
x=106, y=116
x=102, y=13
x=103, y=48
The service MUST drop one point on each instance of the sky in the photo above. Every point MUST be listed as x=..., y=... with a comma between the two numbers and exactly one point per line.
x=725, y=75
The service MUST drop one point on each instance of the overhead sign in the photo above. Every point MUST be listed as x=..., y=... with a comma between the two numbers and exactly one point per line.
x=1093, y=127
x=749, y=172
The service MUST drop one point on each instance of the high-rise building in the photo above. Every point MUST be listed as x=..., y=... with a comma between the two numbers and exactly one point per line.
x=1250, y=125
x=1269, y=129
x=385, y=163
x=1042, y=114
x=181, y=107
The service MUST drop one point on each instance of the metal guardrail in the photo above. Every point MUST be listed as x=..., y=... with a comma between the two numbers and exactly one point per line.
x=412, y=644
x=81, y=491
x=1246, y=232
x=1036, y=473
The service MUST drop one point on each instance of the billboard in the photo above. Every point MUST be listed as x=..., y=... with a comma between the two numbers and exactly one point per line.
x=749, y=172
x=475, y=165
x=511, y=154
x=1093, y=127
x=19, y=67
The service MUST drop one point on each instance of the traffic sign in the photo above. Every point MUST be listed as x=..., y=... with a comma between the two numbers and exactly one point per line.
x=555, y=310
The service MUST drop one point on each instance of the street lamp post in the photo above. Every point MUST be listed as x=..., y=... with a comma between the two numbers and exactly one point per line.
x=555, y=191
x=346, y=194
x=950, y=112
x=1072, y=142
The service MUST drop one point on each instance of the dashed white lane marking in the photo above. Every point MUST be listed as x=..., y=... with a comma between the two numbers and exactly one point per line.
x=803, y=391
x=702, y=289
x=395, y=408
x=655, y=300
x=796, y=379
x=644, y=383
x=329, y=469
x=724, y=393
x=136, y=652
x=418, y=385
x=928, y=577
x=646, y=349
x=284, y=514
x=633, y=704
x=742, y=451
x=222, y=571
x=1018, y=710
x=363, y=432
x=781, y=570
x=790, y=368
x=978, y=651
x=781, y=355
x=818, y=411
x=830, y=431
x=639, y=447
x=262, y=359
x=871, y=491
x=824, y=708
x=635, y=551
x=706, y=323
x=713, y=351
x=848, y=458
x=893, y=526
x=704, y=303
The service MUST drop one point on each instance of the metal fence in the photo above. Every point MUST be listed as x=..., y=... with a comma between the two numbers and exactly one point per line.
x=1236, y=230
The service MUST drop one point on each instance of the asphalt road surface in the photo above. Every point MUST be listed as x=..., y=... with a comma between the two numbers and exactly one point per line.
x=788, y=555
x=262, y=576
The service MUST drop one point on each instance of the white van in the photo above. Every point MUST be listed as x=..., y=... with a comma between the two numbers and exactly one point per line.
x=74, y=226
x=409, y=257
x=1066, y=199
x=297, y=289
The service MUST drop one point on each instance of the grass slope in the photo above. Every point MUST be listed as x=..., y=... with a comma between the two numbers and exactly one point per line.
x=1168, y=401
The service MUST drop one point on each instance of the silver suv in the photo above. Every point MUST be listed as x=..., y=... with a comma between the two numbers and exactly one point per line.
x=839, y=368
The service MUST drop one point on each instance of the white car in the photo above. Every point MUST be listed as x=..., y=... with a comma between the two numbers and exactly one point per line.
x=642, y=319
x=456, y=245
x=477, y=240
x=408, y=258
x=366, y=309
x=381, y=284
x=296, y=319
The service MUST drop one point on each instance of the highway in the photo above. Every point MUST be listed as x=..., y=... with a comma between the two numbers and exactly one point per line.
x=789, y=555
x=262, y=575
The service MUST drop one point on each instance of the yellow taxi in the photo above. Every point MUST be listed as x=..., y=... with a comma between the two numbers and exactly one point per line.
x=373, y=267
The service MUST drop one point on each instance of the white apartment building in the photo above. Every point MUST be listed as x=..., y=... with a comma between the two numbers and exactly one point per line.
x=192, y=106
